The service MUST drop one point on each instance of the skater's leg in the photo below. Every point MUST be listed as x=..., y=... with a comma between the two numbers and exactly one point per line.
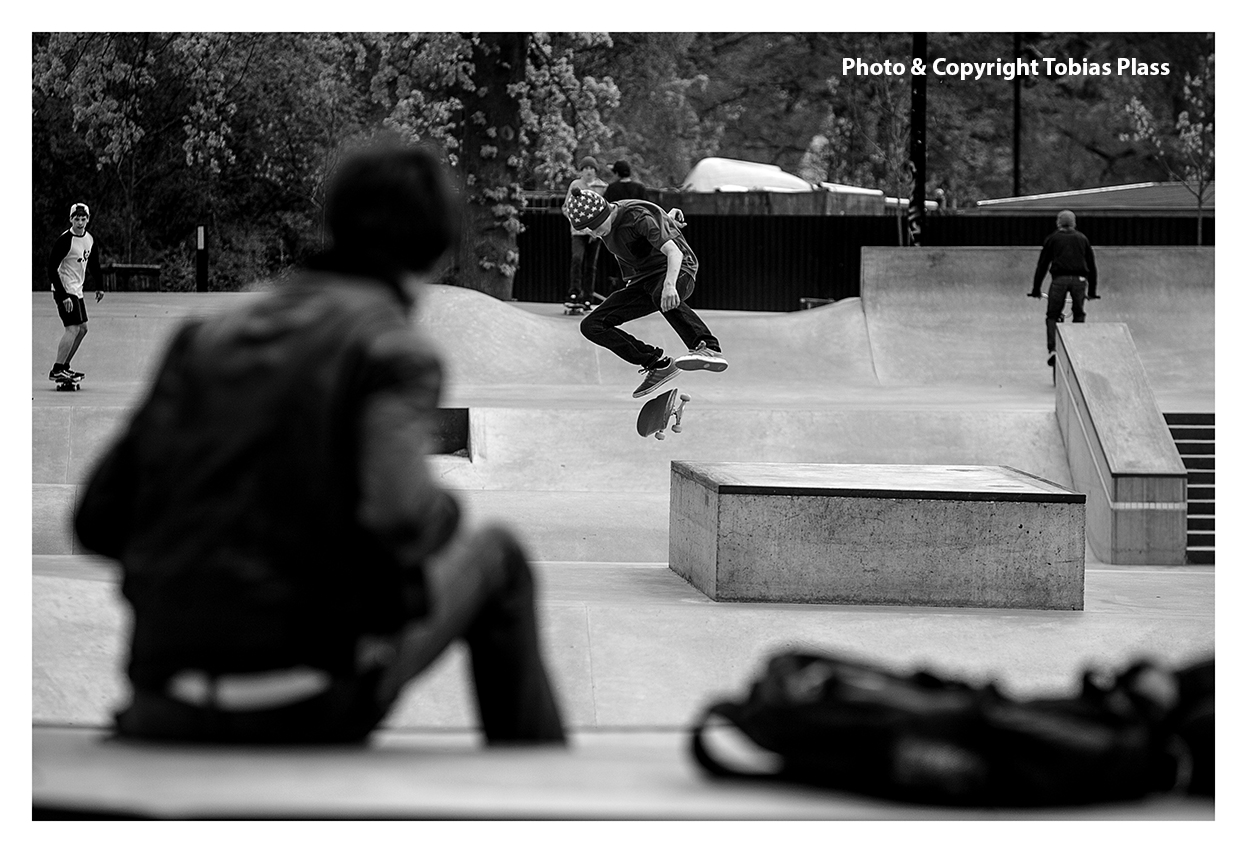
x=601, y=326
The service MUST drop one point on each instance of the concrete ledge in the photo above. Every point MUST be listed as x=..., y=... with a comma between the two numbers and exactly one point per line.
x=625, y=775
x=1120, y=450
x=933, y=535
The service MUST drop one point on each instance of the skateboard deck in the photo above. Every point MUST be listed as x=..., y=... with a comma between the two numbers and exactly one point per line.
x=658, y=412
x=69, y=385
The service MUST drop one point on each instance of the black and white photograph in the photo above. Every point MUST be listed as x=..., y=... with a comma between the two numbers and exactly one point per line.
x=693, y=429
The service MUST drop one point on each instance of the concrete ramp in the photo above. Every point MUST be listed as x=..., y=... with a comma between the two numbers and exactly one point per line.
x=961, y=316
x=490, y=342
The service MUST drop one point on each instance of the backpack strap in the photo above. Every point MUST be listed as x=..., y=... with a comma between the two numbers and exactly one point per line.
x=730, y=712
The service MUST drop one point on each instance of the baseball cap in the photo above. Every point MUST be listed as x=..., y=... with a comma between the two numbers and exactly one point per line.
x=79, y=209
x=586, y=209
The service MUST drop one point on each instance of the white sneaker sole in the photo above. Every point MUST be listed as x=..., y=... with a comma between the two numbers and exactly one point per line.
x=697, y=362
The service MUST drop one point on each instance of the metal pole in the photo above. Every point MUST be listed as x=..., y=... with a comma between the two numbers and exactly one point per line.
x=1017, y=119
x=918, y=143
x=201, y=262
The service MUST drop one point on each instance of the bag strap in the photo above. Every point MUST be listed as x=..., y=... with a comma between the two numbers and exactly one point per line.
x=730, y=712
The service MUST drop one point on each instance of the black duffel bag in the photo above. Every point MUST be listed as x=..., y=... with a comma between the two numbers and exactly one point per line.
x=920, y=738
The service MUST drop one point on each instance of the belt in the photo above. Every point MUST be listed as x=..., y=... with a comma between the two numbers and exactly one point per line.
x=249, y=691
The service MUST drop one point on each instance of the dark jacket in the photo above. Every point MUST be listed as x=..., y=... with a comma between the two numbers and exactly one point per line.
x=1068, y=253
x=255, y=528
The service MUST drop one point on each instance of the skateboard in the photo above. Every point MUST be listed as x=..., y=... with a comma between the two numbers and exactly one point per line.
x=657, y=413
x=68, y=384
x=575, y=309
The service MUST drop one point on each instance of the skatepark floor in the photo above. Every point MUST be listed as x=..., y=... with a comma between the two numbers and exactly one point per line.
x=635, y=651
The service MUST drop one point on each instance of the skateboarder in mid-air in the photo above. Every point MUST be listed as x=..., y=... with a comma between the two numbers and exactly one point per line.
x=660, y=272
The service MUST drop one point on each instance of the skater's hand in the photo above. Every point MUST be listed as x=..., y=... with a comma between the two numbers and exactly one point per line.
x=99, y=294
x=677, y=216
x=670, y=298
x=69, y=304
x=1035, y=294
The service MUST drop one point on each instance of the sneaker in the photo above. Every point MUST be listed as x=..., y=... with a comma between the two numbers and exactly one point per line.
x=61, y=375
x=77, y=376
x=702, y=358
x=655, y=376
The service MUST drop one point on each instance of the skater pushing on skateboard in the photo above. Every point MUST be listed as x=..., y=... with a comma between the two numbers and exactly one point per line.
x=73, y=258
x=1067, y=252
x=660, y=272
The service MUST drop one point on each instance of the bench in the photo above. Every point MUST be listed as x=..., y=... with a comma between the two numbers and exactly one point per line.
x=929, y=535
x=82, y=773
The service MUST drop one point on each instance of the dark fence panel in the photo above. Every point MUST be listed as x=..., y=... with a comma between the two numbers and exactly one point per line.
x=770, y=263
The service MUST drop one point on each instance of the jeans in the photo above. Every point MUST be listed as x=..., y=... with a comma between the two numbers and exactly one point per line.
x=1076, y=287
x=583, y=269
x=639, y=299
x=482, y=591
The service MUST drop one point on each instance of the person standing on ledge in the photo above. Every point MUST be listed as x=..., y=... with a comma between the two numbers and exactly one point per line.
x=1067, y=252
x=72, y=260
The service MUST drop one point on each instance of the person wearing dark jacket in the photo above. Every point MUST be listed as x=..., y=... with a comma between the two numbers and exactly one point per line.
x=1067, y=252
x=289, y=561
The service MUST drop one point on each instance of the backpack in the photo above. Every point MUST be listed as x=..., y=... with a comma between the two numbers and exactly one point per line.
x=920, y=738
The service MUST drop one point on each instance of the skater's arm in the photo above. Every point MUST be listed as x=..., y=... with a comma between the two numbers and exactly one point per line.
x=59, y=250
x=93, y=270
x=1041, y=269
x=670, y=298
x=1093, y=279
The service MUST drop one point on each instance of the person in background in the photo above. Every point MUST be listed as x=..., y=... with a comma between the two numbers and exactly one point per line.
x=584, y=248
x=624, y=186
x=1067, y=252
x=71, y=262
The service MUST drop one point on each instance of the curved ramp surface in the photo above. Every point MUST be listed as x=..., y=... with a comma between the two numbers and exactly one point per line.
x=486, y=341
x=961, y=316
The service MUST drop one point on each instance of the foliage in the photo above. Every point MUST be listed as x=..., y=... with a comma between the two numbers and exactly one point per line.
x=164, y=132
x=1186, y=148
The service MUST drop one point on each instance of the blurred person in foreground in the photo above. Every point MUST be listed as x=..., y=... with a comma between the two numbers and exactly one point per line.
x=290, y=563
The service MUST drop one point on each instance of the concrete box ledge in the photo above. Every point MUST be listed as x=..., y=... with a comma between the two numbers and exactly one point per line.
x=934, y=535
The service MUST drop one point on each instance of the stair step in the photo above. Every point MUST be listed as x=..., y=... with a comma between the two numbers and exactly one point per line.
x=1201, y=478
x=1200, y=522
x=1186, y=418
x=1201, y=556
x=1200, y=463
x=1193, y=433
x=1201, y=540
x=1200, y=493
x=1201, y=508
x=1196, y=448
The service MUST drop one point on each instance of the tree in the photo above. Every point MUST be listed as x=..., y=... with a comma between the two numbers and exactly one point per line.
x=1187, y=148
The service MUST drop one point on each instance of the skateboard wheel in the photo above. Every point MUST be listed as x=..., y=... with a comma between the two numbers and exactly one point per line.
x=677, y=428
x=659, y=436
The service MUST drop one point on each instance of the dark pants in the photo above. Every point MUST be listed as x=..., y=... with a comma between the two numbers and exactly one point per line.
x=482, y=591
x=1076, y=287
x=583, y=269
x=640, y=299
